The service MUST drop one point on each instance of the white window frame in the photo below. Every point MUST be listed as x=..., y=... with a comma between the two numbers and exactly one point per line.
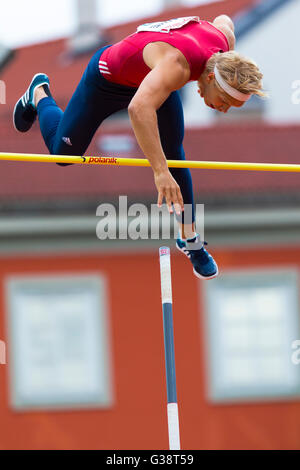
x=95, y=360
x=218, y=391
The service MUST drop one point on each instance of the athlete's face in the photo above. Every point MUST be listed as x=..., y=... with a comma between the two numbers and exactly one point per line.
x=213, y=97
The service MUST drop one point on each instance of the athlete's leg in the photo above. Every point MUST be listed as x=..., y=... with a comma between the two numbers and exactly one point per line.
x=49, y=115
x=171, y=128
x=71, y=132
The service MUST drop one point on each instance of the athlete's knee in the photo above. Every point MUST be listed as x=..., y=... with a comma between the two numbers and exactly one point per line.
x=175, y=153
x=61, y=150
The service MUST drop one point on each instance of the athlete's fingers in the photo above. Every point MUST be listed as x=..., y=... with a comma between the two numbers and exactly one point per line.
x=168, y=197
x=177, y=208
x=175, y=200
x=180, y=199
x=160, y=198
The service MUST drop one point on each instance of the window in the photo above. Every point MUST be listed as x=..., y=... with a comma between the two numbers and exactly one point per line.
x=58, y=341
x=251, y=320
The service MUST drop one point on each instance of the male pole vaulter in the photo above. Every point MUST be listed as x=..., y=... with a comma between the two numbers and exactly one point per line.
x=143, y=73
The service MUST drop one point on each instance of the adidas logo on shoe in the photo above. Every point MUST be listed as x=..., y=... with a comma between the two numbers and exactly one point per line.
x=204, y=266
x=25, y=111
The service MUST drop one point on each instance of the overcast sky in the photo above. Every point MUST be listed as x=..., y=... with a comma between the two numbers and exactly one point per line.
x=27, y=22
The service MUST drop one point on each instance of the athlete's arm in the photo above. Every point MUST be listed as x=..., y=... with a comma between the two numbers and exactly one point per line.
x=166, y=76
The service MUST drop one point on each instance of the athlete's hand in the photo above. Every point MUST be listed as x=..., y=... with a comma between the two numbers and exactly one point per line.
x=169, y=190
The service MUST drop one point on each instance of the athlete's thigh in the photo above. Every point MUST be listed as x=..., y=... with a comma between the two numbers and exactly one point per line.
x=88, y=107
x=171, y=126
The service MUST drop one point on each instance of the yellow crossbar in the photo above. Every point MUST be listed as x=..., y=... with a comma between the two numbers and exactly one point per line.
x=117, y=161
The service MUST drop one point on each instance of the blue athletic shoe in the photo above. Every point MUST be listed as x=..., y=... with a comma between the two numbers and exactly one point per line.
x=25, y=111
x=203, y=263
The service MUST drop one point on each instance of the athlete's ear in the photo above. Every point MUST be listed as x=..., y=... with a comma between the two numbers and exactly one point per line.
x=210, y=77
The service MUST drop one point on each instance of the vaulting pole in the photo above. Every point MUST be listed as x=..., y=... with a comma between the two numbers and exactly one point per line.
x=166, y=298
x=117, y=161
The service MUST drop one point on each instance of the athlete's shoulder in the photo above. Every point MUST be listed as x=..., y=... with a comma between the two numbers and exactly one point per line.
x=224, y=20
x=156, y=52
x=225, y=24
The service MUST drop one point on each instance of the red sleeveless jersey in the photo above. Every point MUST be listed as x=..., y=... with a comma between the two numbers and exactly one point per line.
x=198, y=40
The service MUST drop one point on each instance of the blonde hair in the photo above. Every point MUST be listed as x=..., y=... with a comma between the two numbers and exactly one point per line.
x=238, y=71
